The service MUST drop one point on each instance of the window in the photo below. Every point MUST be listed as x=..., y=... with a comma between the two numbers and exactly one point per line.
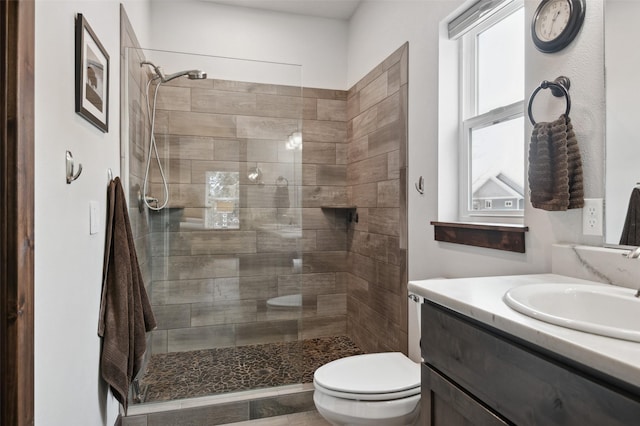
x=491, y=112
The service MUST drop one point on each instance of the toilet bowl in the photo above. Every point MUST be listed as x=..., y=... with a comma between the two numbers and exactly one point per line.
x=370, y=389
x=373, y=389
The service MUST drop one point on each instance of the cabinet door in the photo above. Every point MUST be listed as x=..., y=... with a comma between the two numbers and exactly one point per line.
x=444, y=404
x=520, y=383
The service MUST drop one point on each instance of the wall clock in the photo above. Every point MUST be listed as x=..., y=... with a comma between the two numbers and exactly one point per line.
x=556, y=23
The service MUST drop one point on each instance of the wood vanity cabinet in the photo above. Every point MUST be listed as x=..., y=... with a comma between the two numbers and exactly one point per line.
x=474, y=374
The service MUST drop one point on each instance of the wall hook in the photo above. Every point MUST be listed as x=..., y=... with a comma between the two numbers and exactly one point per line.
x=70, y=176
x=420, y=185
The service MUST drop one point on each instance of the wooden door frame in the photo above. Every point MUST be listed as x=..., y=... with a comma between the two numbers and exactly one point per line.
x=17, y=126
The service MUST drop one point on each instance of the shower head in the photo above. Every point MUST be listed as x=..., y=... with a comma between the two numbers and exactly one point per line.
x=196, y=75
x=191, y=74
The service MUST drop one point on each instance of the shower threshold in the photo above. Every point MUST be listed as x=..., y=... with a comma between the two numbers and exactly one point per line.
x=243, y=371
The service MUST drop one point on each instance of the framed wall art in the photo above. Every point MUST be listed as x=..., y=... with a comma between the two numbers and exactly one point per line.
x=92, y=76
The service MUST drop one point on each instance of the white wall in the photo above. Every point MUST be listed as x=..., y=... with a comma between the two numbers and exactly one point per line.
x=68, y=261
x=318, y=44
x=379, y=27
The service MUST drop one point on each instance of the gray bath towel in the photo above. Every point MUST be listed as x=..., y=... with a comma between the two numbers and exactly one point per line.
x=125, y=311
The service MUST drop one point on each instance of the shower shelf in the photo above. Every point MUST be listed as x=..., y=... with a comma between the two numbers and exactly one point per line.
x=339, y=207
x=352, y=214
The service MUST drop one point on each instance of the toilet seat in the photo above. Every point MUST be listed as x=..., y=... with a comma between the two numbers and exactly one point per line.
x=370, y=377
x=390, y=396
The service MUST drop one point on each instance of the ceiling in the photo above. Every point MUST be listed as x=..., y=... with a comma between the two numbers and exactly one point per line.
x=335, y=9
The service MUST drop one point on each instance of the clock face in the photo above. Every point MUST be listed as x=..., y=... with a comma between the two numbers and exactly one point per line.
x=552, y=19
x=556, y=23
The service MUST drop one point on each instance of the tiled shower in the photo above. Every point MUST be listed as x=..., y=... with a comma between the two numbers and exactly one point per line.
x=323, y=223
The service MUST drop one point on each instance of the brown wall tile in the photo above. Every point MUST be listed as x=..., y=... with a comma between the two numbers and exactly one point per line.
x=182, y=291
x=323, y=327
x=242, y=86
x=174, y=98
x=195, y=338
x=364, y=123
x=310, y=109
x=201, y=124
x=223, y=102
x=389, y=193
x=324, y=131
x=331, y=110
x=172, y=316
x=280, y=106
x=384, y=140
x=318, y=196
x=372, y=169
x=374, y=92
x=376, y=301
x=319, y=153
x=185, y=147
x=331, y=175
x=266, y=332
x=265, y=127
x=231, y=312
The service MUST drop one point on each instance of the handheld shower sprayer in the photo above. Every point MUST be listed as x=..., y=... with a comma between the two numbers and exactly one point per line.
x=160, y=77
x=191, y=74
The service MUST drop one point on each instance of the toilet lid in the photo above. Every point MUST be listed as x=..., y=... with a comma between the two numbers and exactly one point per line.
x=380, y=373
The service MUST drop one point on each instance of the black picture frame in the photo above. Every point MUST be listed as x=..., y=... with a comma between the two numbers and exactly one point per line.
x=92, y=76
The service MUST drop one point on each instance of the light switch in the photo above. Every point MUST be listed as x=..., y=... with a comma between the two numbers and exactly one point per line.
x=94, y=217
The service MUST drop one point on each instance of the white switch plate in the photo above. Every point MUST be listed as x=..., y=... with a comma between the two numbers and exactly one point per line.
x=592, y=216
x=94, y=217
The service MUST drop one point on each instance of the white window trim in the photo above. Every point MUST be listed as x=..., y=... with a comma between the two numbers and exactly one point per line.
x=468, y=120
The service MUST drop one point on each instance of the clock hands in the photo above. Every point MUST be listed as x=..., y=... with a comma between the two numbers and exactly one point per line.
x=553, y=21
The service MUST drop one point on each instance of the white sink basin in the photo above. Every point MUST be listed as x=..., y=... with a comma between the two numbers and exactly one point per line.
x=606, y=310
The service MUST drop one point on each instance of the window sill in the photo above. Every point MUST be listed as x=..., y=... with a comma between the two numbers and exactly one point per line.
x=500, y=237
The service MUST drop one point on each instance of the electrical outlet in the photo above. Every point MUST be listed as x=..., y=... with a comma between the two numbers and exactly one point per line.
x=592, y=216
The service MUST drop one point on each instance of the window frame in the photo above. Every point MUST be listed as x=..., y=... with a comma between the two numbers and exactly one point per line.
x=470, y=120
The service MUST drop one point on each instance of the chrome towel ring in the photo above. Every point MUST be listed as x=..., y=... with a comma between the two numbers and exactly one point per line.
x=559, y=87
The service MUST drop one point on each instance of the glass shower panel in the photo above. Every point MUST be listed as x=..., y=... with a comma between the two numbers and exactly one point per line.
x=224, y=255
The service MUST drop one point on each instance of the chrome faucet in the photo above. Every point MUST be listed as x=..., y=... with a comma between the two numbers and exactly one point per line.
x=634, y=254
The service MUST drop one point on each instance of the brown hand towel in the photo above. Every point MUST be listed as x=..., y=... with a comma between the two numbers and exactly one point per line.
x=631, y=231
x=555, y=166
x=125, y=311
x=574, y=166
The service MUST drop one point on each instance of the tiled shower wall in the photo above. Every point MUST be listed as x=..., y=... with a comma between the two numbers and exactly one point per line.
x=210, y=287
x=135, y=150
x=376, y=179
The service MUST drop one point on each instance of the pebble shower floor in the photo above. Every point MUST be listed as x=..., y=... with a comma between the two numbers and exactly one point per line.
x=192, y=374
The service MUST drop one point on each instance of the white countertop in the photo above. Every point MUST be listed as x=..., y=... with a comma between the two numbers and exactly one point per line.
x=481, y=299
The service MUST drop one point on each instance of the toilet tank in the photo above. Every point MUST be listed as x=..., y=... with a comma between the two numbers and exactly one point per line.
x=414, y=328
x=415, y=303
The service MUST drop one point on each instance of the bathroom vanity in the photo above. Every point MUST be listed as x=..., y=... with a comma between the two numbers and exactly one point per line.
x=486, y=364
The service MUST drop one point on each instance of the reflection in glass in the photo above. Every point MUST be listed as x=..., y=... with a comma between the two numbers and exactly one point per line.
x=500, y=63
x=221, y=201
x=497, y=169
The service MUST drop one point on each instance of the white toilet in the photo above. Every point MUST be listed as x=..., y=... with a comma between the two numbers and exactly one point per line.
x=372, y=389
